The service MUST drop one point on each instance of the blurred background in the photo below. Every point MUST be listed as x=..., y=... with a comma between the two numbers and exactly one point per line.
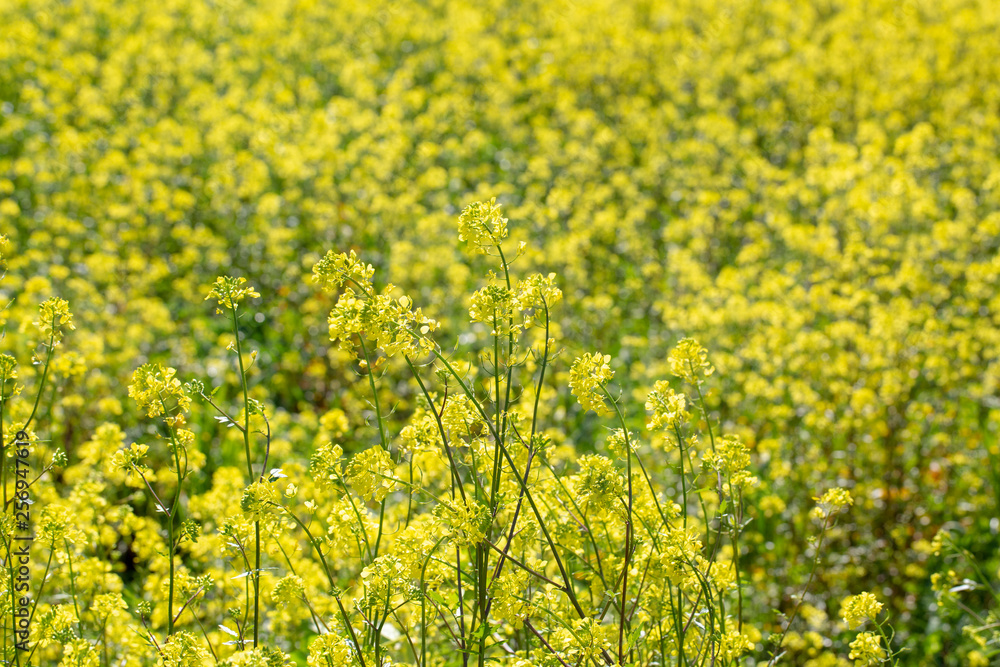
x=810, y=189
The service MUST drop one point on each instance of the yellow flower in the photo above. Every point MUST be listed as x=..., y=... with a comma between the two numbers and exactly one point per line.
x=335, y=270
x=331, y=649
x=857, y=609
x=156, y=390
x=689, y=361
x=866, y=650
x=183, y=649
x=586, y=380
x=733, y=644
x=599, y=484
x=230, y=292
x=731, y=459
x=493, y=305
x=289, y=589
x=369, y=473
x=258, y=500
x=667, y=407
x=482, y=226
x=129, y=460
x=831, y=502
x=53, y=317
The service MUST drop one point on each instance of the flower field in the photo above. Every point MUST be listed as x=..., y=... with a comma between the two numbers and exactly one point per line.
x=445, y=333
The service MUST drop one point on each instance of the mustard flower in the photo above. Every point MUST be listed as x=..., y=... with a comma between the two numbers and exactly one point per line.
x=493, y=305
x=8, y=367
x=129, y=460
x=857, y=609
x=327, y=464
x=866, y=650
x=667, y=406
x=338, y=269
x=229, y=292
x=331, y=649
x=689, y=361
x=617, y=442
x=391, y=323
x=108, y=605
x=509, y=591
x=80, y=652
x=467, y=521
x=831, y=502
x=156, y=389
x=56, y=621
x=369, y=473
x=481, y=225
x=599, y=484
x=262, y=656
x=536, y=290
x=383, y=578
x=54, y=316
x=56, y=525
x=183, y=649
x=258, y=500
x=734, y=644
x=288, y=590
x=731, y=459
x=586, y=380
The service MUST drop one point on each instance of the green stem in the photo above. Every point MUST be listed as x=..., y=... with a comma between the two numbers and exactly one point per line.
x=250, y=476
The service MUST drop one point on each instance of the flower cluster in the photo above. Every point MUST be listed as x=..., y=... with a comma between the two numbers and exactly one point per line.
x=54, y=316
x=689, y=361
x=482, y=226
x=667, y=406
x=866, y=650
x=156, y=389
x=857, y=609
x=587, y=378
x=229, y=292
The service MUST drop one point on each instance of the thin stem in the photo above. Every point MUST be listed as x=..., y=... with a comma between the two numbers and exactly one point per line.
x=250, y=477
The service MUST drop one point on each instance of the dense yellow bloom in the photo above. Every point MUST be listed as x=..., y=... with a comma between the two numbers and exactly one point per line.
x=599, y=484
x=667, y=406
x=538, y=292
x=259, y=500
x=383, y=579
x=8, y=368
x=509, y=592
x=53, y=317
x=587, y=378
x=466, y=521
x=493, y=305
x=482, y=226
x=391, y=323
x=262, y=656
x=288, y=590
x=866, y=650
x=370, y=473
x=832, y=502
x=130, y=460
x=330, y=650
x=689, y=361
x=108, y=605
x=230, y=291
x=156, y=390
x=4, y=251
x=183, y=650
x=734, y=644
x=338, y=269
x=731, y=459
x=857, y=609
